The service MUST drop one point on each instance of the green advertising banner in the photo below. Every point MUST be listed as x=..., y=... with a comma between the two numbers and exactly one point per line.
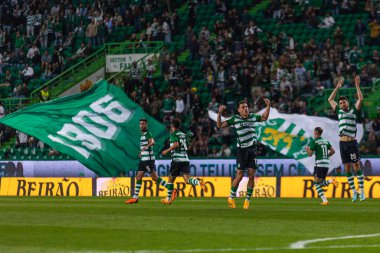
x=99, y=128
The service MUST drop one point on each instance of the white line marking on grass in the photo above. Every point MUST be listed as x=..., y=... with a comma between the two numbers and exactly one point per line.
x=302, y=244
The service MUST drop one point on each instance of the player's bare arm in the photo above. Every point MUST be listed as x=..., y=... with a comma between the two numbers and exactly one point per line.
x=265, y=115
x=333, y=95
x=219, y=122
x=309, y=151
x=359, y=103
x=174, y=146
x=332, y=151
x=150, y=144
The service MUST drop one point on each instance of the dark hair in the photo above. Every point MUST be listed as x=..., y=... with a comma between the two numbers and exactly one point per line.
x=145, y=120
x=319, y=130
x=241, y=102
x=342, y=98
x=176, y=123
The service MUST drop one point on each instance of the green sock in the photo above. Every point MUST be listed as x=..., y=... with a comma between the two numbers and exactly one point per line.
x=233, y=192
x=319, y=189
x=162, y=182
x=170, y=190
x=193, y=181
x=137, y=189
x=360, y=177
x=351, y=182
x=249, y=193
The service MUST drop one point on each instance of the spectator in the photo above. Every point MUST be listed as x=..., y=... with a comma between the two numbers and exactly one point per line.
x=327, y=22
x=374, y=27
x=179, y=107
x=44, y=94
x=360, y=31
x=27, y=73
x=92, y=31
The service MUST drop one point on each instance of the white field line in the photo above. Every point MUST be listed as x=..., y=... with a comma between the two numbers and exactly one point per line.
x=303, y=244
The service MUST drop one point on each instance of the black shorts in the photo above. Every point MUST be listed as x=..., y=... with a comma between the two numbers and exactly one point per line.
x=349, y=151
x=176, y=168
x=320, y=172
x=246, y=158
x=147, y=166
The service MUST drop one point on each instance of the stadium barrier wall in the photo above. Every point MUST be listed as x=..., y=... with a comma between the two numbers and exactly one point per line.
x=198, y=167
x=288, y=187
x=303, y=187
x=21, y=186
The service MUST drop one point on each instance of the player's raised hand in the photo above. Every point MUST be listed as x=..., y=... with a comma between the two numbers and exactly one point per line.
x=267, y=101
x=357, y=81
x=222, y=108
x=340, y=83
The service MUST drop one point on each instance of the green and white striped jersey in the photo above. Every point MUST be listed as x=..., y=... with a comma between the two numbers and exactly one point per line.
x=321, y=148
x=179, y=154
x=147, y=155
x=245, y=129
x=347, y=121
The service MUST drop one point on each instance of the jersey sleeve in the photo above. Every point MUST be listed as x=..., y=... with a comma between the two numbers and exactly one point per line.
x=173, y=138
x=312, y=145
x=257, y=117
x=328, y=145
x=149, y=135
x=230, y=121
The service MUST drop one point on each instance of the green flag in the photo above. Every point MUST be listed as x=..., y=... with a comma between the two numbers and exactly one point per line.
x=99, y=128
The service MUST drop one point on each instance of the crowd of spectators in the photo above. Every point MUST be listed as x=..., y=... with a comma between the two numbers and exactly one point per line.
x=237, y=59
x=40, y=38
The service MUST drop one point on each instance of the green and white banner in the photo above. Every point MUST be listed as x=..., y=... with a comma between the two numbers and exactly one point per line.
x=289, y=134
x=99, y=128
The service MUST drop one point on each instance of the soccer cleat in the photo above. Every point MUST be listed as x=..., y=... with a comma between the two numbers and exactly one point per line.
x=174, y=194
x=231, y=202
x=166, y=202
x=325, y=203
x=202, y=185
x=132, y=201
x=246, y=204
x=335, y=182
x=362, y=197
x=355, y=197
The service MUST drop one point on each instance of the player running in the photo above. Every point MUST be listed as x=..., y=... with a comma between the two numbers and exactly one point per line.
x=348, y=145
x=244, y=125
x=323, y=150
x=146, y=164
x=180, y=161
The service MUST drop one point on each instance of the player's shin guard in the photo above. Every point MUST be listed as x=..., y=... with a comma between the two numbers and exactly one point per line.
x=137, y=189
x=162, y=182
x=351, y=183
x=170, y=190
x=233, y=192
x=193, y=181
x=360, y=177
x=319, y=189
x=249, y=193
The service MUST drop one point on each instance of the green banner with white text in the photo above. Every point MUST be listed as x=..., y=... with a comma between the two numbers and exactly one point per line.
x=99, y=128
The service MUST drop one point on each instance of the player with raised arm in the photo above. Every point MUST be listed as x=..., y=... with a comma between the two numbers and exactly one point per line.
x=323, y=150
x=244, y=125
x=180, y=161
x=349, y=151
x=147, y=162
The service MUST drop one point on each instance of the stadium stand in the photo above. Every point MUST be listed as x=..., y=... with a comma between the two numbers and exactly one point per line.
x=216, y=52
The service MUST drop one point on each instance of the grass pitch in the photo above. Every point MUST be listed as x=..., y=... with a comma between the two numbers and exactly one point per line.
x=188, y=225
